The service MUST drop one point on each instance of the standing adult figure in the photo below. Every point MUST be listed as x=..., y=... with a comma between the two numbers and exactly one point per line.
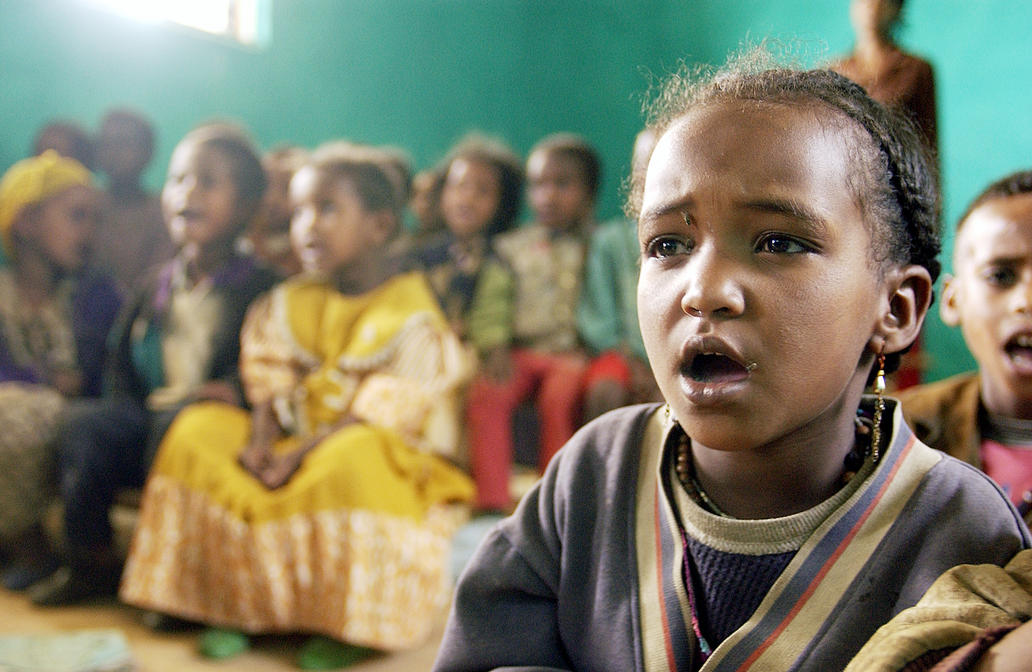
x=897, y=79
x=890, y=75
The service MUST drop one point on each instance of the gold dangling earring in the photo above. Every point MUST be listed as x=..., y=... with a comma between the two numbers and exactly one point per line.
x=879, y=406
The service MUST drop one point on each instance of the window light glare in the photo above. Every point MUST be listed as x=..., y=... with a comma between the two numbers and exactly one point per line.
x=220, y=17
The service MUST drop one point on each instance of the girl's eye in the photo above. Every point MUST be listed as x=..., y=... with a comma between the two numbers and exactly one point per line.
x=667, y=246
x=776, y=243
x=1000, y=276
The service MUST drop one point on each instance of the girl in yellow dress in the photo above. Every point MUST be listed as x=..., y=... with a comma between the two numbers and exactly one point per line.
x=328, y=508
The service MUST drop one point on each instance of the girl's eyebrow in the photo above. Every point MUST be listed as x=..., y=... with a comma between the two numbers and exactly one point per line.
x=663, y=210
x=793, y=209
x=1000, y=260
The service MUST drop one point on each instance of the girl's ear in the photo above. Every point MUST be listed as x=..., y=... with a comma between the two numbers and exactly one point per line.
x=948, y=309
x=24, y=225
x=383, y=223
x=908, y=296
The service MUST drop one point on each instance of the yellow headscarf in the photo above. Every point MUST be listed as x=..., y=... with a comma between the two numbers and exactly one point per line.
x=34, y=180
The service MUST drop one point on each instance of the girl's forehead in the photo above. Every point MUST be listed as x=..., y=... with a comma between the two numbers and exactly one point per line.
x=733, y=155
x=998, y=228
x=465, y=165
x=200, y=155
x=553, y=162
x=782, y=134
x=315, y=182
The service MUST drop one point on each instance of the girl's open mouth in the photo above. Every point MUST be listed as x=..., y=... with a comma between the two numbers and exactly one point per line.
x=714, y=368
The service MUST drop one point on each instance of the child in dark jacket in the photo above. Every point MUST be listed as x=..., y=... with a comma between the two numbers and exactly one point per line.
x=177, y=341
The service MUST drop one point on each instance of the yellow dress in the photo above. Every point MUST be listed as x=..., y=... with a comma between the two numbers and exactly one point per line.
x=355, y=545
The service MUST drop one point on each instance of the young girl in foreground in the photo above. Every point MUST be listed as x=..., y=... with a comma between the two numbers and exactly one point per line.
x=769, y=516
x=324, y=509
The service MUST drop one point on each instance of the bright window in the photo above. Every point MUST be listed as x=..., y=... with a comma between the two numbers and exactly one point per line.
x=244, y=21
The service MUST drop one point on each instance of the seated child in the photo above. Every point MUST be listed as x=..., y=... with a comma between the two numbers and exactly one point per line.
x=269, y=235
x=974, y=617
x=480, y=198
x=607, y=316
x=177, y=341
x=769, y=516
x=531, y=342
x=67, y=138
x=426, y=222
x=325, y=509
x=53, y=324
x=985, y=417
x=131, y=236
x=425, y=203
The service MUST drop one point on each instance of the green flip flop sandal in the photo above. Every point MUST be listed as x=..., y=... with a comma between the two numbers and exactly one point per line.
x=222, y=643
x=323, y=653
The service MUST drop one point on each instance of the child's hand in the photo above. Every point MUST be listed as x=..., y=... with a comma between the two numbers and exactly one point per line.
x=1010, y=654
x=258, y=453
x=254, y=458
x=217, y=390
x=497, y=365
x=280, y=468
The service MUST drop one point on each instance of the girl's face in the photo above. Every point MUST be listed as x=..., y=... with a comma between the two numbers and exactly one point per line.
x=873, y=16
x=757, y=295
x=990, y=298
x=471, y=196
x=558, y=193
x=201, y=199
x=64, y=226
x=331, y=227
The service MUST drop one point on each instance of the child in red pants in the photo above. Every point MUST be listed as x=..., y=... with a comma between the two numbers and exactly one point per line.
x=528, y=306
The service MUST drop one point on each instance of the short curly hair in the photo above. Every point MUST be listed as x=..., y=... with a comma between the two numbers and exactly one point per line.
x=1015, y=184
x=580, y=150
x=894, y=181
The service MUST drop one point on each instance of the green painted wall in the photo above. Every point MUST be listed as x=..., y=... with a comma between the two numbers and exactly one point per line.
x=419, y=73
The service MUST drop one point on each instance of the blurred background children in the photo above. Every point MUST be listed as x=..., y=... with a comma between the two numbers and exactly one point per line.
x=325, y=509
x=425, y=202
x=131, y=236
x=985, y=417
x=269, y=236
x=536, y=352
x=607, y=316
x=176, y=342
x=480, y=198
x=67, y=138
x=53, y=326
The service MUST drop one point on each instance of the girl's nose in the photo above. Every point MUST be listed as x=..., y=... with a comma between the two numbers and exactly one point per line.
x=1022, y=298
x=711, y=286
x=184, y=189
x=302, y=222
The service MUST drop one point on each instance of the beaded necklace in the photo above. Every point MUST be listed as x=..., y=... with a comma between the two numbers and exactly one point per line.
x=854, y=461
